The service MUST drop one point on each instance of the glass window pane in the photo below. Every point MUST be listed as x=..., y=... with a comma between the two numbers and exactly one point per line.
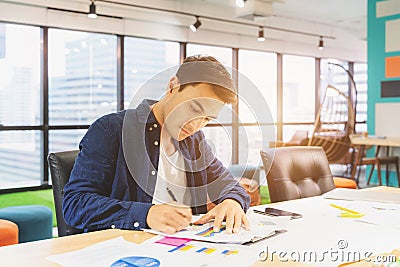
x=361, y=80
x=145, y=58
x=223, y=55
x=82, y=76
x=64, y=140
x=220, y=140
x=251, y=141
x=361, y=127
x=334, y=75
x=289, y=130
x=19, y=75
x=298, y=89
x=257, y=69
x=20, y=159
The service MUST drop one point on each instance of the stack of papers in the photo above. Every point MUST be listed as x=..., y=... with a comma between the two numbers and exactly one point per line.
x=261, y=227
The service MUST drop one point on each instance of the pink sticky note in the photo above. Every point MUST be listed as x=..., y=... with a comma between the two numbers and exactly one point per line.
x=173, y=241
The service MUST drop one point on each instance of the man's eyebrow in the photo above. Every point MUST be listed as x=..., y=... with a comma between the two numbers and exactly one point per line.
x=202, y=109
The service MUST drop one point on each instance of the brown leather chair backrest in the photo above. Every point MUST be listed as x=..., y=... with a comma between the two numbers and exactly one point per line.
x=296, y=172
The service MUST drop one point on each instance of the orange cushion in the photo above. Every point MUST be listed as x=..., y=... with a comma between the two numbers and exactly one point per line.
x=8, y=233
x=344, y=183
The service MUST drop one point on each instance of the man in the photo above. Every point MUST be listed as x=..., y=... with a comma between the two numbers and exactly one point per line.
x=151, y=167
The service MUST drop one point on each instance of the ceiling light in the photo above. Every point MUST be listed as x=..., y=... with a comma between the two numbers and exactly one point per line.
x=92, y=11
x=321, y=43
x=240, y=3
x=261, y=37
x=195, y=25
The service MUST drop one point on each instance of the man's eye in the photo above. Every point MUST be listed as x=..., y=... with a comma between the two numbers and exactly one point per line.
x=195, y=109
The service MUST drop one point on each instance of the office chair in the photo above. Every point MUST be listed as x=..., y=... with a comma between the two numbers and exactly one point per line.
x=296, y=172
x=61, y=164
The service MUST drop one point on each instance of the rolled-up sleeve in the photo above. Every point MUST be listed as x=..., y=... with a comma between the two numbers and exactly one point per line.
x=86, y=203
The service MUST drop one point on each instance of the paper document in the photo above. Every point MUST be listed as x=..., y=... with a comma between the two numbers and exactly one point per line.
x=261, y=226
x=99, y=255
x=354, y=194
x=155, y=252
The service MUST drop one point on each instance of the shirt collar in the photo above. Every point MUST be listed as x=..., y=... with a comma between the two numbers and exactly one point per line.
x=144, y=112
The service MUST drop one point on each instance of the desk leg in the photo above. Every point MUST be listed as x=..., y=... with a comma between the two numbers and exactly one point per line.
x=387, y=167
x=378, y=148
x=356, y=163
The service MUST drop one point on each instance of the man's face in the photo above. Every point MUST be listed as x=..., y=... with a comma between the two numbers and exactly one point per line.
x=189, y=110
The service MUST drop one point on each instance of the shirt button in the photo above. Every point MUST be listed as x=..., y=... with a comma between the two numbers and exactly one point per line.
x=136, y=224
x=112, y=226
x=153, y=172
x=151, y=128
x=155, y=125
x=156, y=143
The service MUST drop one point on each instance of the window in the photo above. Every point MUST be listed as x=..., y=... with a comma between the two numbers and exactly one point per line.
x=257, y=103
x=20, y=158
x=20, y=149
x=82, y=76
x=289, y=130
x=361, y=79
x=220, y=140
x=222, y=54
x=148, y=59
x=64, y=140
x=20, y=75
x=258, y=72
x=251, y=140
x=298, y=89
x=334, y=75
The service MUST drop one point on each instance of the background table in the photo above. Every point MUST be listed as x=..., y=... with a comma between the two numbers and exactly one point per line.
x=362, y=142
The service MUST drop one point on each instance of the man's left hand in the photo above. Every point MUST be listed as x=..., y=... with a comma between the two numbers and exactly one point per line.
x=229, y=210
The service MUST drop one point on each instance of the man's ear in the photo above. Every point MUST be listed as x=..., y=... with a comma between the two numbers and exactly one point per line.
x=173, y=84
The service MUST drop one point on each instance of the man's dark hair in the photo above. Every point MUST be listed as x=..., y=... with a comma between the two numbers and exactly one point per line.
x=206, y=69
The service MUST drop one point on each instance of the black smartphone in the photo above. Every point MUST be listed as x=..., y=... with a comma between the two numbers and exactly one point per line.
x=278, y=212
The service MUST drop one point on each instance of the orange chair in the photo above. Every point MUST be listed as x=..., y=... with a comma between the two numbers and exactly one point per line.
x=8, y=233
x=341, y=182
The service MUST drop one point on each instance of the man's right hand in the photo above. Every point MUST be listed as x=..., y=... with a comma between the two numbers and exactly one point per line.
x=169, y=217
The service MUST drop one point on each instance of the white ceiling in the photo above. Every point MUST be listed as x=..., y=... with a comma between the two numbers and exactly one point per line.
x=341, y=22
x=348, y=15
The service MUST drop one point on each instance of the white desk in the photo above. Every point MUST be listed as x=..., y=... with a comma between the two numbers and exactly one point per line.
x=319, y=230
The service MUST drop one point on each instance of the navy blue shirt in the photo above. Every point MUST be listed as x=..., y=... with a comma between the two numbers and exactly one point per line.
x=114, y=176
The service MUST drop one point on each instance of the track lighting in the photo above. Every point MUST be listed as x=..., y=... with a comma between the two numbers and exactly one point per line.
x=261, y=37
x=92, y=11
x=240, y=3
x=321, y=43
x=195, y=25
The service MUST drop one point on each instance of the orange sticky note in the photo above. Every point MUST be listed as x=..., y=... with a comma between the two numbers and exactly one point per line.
x=392, y=67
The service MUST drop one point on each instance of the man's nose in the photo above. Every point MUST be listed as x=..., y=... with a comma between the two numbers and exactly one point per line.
x=197, y=123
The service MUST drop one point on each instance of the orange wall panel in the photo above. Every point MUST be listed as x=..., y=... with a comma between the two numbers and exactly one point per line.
x=392, y=67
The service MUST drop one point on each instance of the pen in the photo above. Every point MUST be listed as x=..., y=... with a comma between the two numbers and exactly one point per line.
x=171, y=195
x=345, y=209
